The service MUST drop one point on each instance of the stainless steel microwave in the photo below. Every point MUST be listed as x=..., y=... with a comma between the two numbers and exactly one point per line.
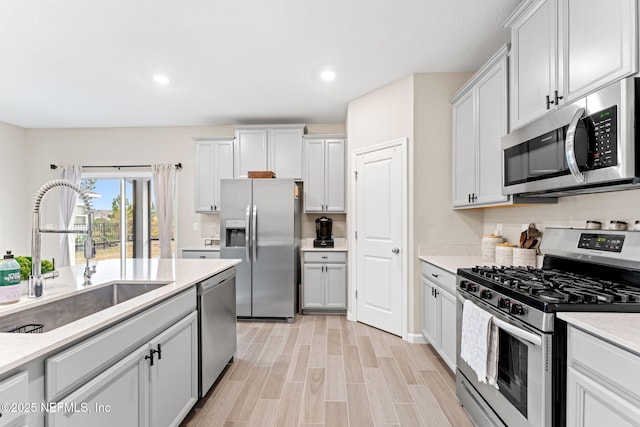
x=587, y=146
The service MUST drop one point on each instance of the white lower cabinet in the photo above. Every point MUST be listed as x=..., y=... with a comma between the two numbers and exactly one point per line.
x=324, y=281
x=14, y=391
x=155, y=385
x=439, y=312
x=602, y=382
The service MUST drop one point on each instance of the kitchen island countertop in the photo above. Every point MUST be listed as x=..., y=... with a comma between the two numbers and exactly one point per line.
x=621, y=329
x=179, y=274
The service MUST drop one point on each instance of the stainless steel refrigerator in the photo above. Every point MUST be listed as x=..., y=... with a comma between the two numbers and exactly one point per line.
x=260, y=224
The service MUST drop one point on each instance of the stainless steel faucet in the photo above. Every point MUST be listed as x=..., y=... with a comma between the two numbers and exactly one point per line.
x=36, y=280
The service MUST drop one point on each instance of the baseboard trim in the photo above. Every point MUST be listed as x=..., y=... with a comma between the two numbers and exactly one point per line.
x=350, y=316
x=416, y=339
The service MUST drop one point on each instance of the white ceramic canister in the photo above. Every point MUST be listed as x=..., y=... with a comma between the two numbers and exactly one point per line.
x=9, y=279
x=504, y=254
x=489, y=247
x=524, y=257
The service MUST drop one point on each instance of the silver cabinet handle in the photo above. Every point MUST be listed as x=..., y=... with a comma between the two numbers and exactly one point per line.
x=570, y=147
x=434, y=275
x=395, y=250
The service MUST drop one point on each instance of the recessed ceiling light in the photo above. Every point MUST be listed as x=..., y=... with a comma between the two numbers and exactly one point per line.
x=161, y=79
x=328, y=75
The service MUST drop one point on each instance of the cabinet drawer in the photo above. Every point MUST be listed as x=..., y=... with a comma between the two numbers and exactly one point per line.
x=14, y=390
x=324, y=256
x=444, y=278
x=200, y=254
x=76, y=365
x=606, y=363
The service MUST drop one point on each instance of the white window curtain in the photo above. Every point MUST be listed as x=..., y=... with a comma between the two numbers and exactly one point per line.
x=164, y=184
x=68, y=201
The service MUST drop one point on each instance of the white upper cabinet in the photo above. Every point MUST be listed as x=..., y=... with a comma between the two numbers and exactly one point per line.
x=480, y=119
x=285, y=152
x=250, y=151
x=565, y=49
x=324, y=174
x=275, y=148
x=214, y=161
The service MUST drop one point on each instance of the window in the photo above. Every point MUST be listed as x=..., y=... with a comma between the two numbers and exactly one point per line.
x=125, y=223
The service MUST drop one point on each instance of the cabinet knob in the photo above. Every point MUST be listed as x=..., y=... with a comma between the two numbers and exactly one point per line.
x=395, y=250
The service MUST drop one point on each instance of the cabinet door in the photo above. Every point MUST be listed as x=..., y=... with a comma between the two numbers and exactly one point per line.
x=174, y=375
x=591, y=404
x=447, y=304
x=205, y=170
x=314, y=172
x=313, y=291
x=223, y=168
x=533, y=62
x=430, y=315
x=334, y=193
x=14, y=390
x=285, y=152
x=464, y=155
x=250, y=151
x=593, y=56
x=116, y=397
x=336, y=286
x=492, y=126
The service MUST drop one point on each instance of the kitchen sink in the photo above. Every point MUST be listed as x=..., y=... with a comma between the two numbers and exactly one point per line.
x=52, y=315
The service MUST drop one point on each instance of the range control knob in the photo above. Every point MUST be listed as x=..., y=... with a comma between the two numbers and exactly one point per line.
x=517, y=309
x=486, y=294
x=463, y=284
x=472, y=287
x=504, y=303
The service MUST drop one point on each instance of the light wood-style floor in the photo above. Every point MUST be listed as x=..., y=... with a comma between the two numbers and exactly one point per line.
x=327, y=371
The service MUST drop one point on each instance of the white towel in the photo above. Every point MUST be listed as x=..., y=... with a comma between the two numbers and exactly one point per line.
x=479, y=342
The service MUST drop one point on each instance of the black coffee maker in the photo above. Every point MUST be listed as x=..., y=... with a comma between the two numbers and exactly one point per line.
x=324, y=236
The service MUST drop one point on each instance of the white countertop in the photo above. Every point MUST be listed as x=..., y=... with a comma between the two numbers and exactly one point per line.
x=453, y=262
x=179, y=274
x=213, y=248
x=622, y=329
x=339, y=245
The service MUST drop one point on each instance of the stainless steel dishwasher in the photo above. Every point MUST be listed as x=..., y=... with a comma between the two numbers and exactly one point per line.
x=216, y=327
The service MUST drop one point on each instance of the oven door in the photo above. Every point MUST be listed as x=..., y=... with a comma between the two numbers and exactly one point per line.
x=524, y=393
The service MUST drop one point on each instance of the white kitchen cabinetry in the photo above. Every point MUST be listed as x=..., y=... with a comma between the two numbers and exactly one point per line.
x=15, y=391
x=141, y=372
x=276, y=148
x=214, y=161
x=602, y=382
x=565, y=49
x=324, y=281
x=480, y=119
x=439, y=311
x=324, y=174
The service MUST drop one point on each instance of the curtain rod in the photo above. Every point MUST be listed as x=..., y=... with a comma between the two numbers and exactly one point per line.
x=177, y=165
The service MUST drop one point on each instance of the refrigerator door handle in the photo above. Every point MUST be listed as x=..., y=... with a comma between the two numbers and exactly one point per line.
x=254, y=232
x=246, y=233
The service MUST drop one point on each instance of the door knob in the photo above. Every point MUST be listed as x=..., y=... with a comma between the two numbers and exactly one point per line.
x=395, y=250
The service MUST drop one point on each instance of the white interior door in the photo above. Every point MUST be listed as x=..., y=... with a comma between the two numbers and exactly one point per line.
x=379, y=281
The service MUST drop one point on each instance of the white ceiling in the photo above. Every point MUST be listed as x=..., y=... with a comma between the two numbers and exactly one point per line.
x=88, y=63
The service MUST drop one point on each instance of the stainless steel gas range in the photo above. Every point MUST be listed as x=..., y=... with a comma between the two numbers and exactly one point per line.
x=584, y=270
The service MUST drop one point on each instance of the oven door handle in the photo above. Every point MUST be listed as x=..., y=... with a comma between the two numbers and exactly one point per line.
x=570, y=146
x=512, y=329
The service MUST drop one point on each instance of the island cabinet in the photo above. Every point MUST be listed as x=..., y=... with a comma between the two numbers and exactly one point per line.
x=565, y=49
x=324, y=281
x=439, y=311
x=141, y=372
x=14, y=392
x=214, y=161
x=276, y=148
x=602, y=382
x=324, y=174
x=480, y=120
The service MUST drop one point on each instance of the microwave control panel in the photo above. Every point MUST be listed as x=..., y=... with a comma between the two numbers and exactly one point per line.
x=603, y=130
